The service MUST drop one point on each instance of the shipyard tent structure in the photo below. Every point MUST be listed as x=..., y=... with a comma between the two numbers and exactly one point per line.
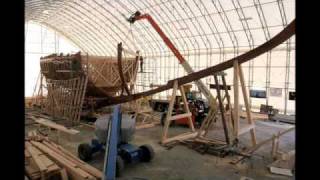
x=213, y=80
x=205, y=32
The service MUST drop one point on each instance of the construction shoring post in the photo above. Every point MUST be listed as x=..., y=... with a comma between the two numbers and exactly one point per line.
x=186, y=107
x=248, y=107
x=236, y=97
x=221, y=109
x=168, y=116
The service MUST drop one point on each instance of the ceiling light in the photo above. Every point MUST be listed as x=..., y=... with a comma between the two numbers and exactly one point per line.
x=45, y=12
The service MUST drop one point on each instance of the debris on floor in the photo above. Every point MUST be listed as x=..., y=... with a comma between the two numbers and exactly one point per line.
x=285, y=165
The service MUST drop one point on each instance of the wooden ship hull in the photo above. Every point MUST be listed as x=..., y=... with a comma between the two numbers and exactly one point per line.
x=74, y=79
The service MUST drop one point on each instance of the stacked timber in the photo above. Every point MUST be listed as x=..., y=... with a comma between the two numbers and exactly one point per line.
x=45, y=159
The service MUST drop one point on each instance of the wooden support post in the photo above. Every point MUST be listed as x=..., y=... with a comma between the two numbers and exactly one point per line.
x=186, y=108
x=63, y=173
x=248, y=108
x=222, y=110
x=236, y=98
x=228, y=110
x=167, y=121
x=275, y=145
x=170, y=118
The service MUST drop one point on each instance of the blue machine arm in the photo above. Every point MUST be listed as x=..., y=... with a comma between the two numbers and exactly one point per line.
x=111, y=145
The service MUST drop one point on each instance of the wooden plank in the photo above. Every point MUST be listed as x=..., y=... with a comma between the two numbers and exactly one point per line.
x=32, y=172
x=281, y=171
x=32, y=168
x=275, y=146
x=186, y=108
x=56, y=126
x=284, y=166
x=180, y=116
x=83, y=165
x=72, y=168
x=248, y=108
x=236, y=97
x=255, y=116
x=209, y=141
x=220, y=86
x=222, y=110
x=35, y=156
x=167, y=121
x=180, y=137
x=64, y=175
x=41, y=155
x=143, y=126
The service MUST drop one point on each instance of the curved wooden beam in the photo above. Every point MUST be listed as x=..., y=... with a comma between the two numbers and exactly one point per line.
x=281, y=37
x=124, y=85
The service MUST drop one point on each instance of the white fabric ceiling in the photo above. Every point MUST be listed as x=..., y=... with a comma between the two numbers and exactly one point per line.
x=199, y=26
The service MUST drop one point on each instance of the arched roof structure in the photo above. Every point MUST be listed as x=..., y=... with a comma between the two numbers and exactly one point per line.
x=206, y=32
x=195, y=27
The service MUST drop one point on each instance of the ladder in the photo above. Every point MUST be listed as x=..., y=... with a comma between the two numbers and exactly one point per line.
x=170, y=118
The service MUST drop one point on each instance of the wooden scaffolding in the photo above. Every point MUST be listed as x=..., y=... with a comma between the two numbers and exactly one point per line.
x=72, y=80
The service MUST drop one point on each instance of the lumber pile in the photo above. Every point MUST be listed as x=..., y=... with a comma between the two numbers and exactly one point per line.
x=45, y=159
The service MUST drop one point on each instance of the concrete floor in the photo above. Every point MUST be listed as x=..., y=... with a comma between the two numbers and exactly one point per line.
x=181, y=162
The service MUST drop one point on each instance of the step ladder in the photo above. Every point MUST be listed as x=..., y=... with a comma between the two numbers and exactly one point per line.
x=170, y=118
